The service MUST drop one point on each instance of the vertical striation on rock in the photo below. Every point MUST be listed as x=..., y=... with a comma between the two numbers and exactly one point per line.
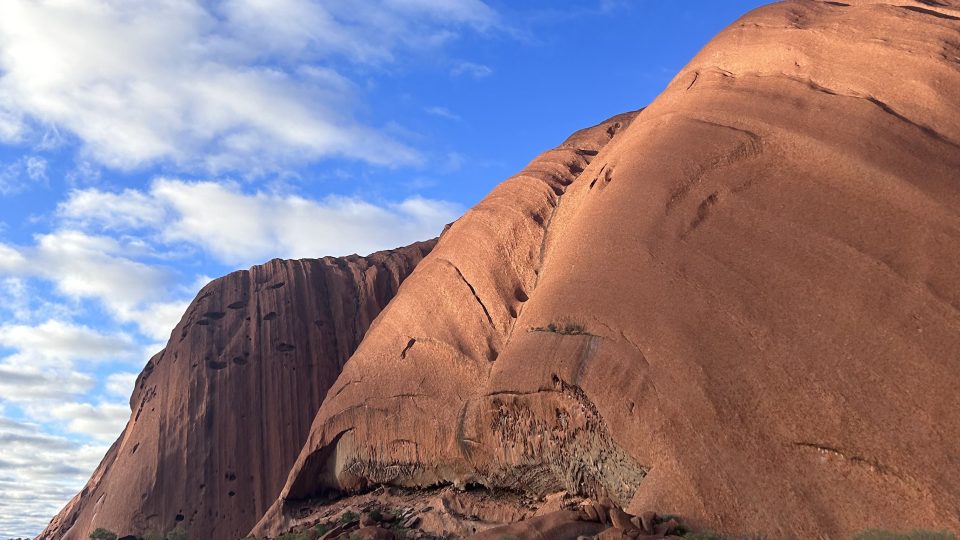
x=220, y=414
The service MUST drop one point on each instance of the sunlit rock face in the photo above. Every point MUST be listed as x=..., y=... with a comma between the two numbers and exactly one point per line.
x=739, y=305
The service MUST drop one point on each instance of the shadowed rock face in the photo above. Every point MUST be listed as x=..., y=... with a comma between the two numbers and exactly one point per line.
x=219, y=415
x=741, y=305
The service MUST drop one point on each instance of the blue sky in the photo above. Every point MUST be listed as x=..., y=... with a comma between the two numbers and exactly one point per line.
x=148, y=146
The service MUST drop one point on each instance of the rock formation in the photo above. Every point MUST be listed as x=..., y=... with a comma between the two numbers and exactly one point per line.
x=220, y=414
x=741, y=305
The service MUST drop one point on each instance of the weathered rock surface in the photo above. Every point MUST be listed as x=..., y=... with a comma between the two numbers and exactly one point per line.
x=741, y=305
x=219, y=415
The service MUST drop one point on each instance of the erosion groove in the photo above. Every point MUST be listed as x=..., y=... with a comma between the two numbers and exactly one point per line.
x=748, y=145
x=844, y=457
x=819, y=87
x=473, y=291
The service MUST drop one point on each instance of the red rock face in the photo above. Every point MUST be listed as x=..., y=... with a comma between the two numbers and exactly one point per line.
x=219, y=415
x=741, y=305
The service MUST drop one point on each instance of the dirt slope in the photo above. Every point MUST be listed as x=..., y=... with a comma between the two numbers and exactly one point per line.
x=220, y=414
x=744, y=308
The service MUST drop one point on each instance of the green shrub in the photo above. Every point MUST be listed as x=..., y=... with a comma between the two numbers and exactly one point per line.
x=152, y=535
x=178, y=533
x=102, y=534
x=912, y=535
x=567, y=329
x=348, y=516
x=572, y=328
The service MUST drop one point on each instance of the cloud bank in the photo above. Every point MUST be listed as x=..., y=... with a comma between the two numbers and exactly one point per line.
x=251, y=85
x=241, y=228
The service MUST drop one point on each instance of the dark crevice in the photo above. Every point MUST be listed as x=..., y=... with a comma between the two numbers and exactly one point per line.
x=931, y=12
x=870, y=464
x=410, y=344
x=703, y=211
x=473, y=292
x=927, y=130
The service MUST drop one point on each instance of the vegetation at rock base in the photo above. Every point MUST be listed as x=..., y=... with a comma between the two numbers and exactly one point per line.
x=102, y=534
x=348, y=516
x=178, y=533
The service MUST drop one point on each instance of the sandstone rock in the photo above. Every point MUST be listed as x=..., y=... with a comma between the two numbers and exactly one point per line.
x=563, y=525
x=220, y=414
x=613, y=533
x=740, y=305
x=666, y=527
x=368, y=533
x=620, y=519
x=553, y=503
x=591, y=513
x=647, y=522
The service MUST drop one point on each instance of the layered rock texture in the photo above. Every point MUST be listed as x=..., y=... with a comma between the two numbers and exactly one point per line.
x=740, y=305
x=219, y=415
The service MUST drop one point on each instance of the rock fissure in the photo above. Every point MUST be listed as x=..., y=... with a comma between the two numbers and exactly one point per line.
x=473, y=291
x=844, y=457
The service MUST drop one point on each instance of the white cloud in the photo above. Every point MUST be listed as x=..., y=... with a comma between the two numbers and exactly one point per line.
x=36, y=168
x=243, y=228
x=244, y=84
x=22, y=303
x=39, y=473
x=129, y=209
x=13, y=296
x=87, y=266
x=364, y=32
x=442, y=112
x=11, y=259
x=57, y=341
x=157, y=320
x=22, y=173
x=477, y=71
x=22, y=383
x=47, y=359
x=121, y=384
x=103, y=421
x=84, y=266
x=43, y=380
x=11, y=124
